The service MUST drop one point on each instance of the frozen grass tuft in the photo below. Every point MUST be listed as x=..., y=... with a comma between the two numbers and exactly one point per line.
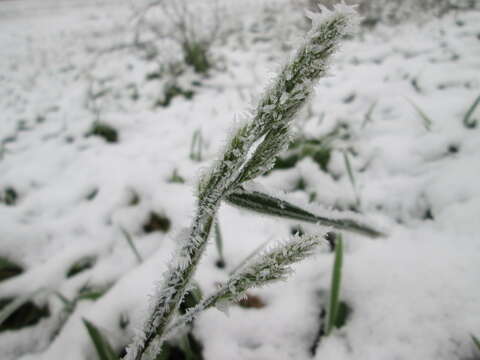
x=249, y=153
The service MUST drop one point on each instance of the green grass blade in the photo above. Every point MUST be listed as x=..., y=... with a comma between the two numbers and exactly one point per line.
x=92, y=295
x=186, y=348
x=348, y=165
x=8, y=268
x=334, y=301
x=68, y=304
x=476, y=342
x=467, y=121
x=219, y=244
x=62, y=298
x=16, y=304
x=351, y=177
x=196, y=146
x=102, y=345
x=200, y=146
x=132, y=245
x=191, y=299
x=165, y=352
x=368, y=115
x=269, y=205
x=427, y=122
x=176, y=178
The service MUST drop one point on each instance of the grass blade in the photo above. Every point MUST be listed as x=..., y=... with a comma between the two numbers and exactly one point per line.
x=165, y=352
x=348, y=165
x=69, y=305
x=62, y=298
x=132, y=245
x=219, y=245
x=186, y=348
x=476, y=342
x=271, y=266
x=196, y=146
x=276, y=109
x=368, y=115
x=269, y=205
x=427, y=122
x=334, y=301
x=102, y=345
x=16, y=304
x=471, y=123
x=8, y=268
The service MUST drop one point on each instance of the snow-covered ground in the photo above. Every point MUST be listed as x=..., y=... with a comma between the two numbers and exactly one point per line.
x=413, y=294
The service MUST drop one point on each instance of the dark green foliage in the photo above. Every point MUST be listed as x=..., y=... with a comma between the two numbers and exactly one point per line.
x=297, y=230
x=123, y=321
x=134, y=199
x=9, y=196
x=343, y=313
x=338, y=311
x=102, y=345
x=300, y=184
x=80, y=265
x=192, y=298
x=8, y=268
x=370, y=22
x=350, y=98
x=92, y=194
x=334, y=301
x=105, y=131
x=166, y=352
x=196, y=55
x=155, y=75
x=132, y=246
x=156, y=222
x=196, y=146
x=468, y=121
x=187, y=349
x=476, y=342
x=69, y=305
x=453, y=148
x=219, y=244
x=266, y=204
x=428, y=215
x=88, y=292
x=171, y=91
x=191, y=349
x=176, y=178
x=299, y=149
x=27, y=314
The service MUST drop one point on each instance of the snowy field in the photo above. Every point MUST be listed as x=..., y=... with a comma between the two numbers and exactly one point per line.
x=395, y=110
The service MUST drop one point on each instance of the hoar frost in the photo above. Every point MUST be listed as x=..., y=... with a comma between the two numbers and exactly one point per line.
x=270, y=125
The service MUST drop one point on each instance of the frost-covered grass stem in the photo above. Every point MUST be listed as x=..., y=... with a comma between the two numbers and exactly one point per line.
x=250, y=152
x=272, y=265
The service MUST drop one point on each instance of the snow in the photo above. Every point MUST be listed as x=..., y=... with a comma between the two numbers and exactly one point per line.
x=414, y=293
